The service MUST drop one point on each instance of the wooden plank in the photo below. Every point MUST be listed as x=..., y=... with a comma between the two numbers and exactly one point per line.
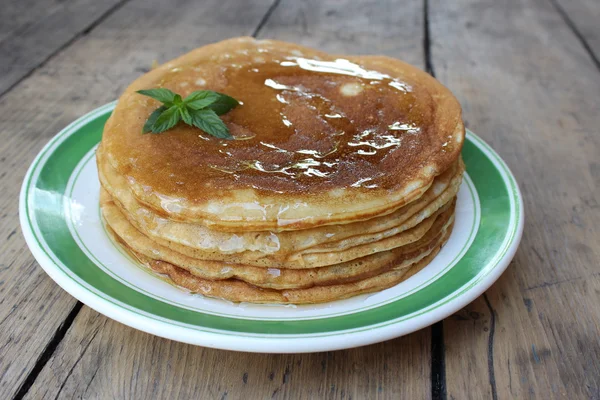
x=529, y=88
x=583, y=16
x=32, y=31
x=19, y=15
x=101, y=358
x=105, y=359
x=466, y=349
x=32, y=307
x=352, y=27
x=89, y=73
x=15, y=14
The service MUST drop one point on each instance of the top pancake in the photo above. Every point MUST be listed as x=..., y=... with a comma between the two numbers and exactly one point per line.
x=319, y=139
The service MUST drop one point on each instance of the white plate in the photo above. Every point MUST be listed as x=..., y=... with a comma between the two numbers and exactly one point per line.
x=61, y=222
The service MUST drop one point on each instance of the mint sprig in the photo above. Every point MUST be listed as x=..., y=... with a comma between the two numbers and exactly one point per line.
x=200, y=109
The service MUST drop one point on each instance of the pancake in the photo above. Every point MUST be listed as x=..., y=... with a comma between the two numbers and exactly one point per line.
x=341, y=177
x=267, y=241
x=238, y=291
x=320, y=140
x=307, y=260
x=279, y=278
x=284, y=244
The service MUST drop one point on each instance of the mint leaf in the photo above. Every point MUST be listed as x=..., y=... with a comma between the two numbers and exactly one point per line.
x=163, y=95
x=152, y=119
x=168, y=119
x=223, y=104
x=209, y=122
x=186, y=116
x=200, y=109
x=200, y=99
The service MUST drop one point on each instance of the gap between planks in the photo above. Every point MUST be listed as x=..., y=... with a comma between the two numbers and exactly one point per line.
x=573, y=27
x=40, y=363
x=438, y=352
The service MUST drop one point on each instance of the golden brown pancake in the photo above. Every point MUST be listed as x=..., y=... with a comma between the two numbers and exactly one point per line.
x=341, y=178
x=238, y=291
x=319, y=139
x=292, y=251
x=281, y=278
x=285, y=243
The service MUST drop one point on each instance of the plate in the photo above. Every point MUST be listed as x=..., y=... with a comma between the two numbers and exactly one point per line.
x=60, y=218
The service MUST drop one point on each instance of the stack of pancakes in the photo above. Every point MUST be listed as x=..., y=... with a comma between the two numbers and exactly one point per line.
x=341, y=178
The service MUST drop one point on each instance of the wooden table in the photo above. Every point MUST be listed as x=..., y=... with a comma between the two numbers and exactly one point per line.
x=527, y=73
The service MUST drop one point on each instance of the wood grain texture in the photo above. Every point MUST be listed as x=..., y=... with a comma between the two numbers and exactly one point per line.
x=351, y=27
x=99, y=358
x=526, y=74
x=583, y=17
x=29, y=33
x=531, y=90
x=91, y=72
x=32, y=31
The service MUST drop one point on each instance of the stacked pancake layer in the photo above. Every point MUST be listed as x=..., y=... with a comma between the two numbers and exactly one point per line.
x=289, y=266
x=296, y=217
